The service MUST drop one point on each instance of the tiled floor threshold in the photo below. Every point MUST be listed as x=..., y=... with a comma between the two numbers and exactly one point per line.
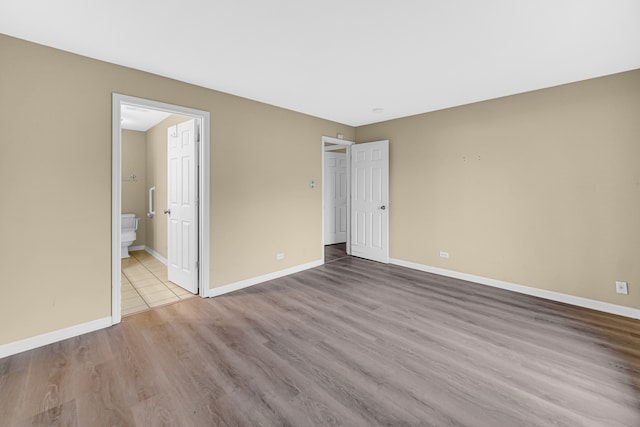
x=145, y=284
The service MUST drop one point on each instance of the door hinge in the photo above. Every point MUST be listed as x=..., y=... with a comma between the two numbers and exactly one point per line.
x=197, y=265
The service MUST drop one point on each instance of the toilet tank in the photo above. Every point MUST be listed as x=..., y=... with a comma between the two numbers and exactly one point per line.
x=129, y=222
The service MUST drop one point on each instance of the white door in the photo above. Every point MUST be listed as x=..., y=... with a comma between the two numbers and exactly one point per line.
x=335, y=197
x=369, y=200
x=183, y=209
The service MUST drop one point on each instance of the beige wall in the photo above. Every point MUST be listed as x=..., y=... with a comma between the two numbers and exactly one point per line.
x=55, y=163
x=156, y=156
x=540, y=189
x=134, y=193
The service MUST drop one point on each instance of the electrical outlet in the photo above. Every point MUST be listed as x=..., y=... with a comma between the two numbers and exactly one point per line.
x=444, y=254
x=621, y=288
x=280, y=256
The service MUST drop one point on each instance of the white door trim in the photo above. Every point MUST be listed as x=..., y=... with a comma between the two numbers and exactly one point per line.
x=334, y=148
x=116, y=193
x=347, y=145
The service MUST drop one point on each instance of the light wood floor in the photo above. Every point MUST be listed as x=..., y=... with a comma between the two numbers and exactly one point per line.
x=352, y=343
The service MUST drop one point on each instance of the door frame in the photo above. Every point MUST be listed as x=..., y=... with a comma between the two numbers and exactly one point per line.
x=347, y=145
x=203, y=180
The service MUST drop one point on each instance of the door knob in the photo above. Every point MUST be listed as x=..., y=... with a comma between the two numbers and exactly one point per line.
x=167, y=211
x=383, y=207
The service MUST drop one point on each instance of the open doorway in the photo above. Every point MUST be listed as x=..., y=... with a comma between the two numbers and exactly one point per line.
x=366, y=189
x=166, y=219
x=153, y=155
x=335, y=198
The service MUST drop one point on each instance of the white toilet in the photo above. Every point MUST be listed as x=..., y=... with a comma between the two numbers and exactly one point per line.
x=129, y=226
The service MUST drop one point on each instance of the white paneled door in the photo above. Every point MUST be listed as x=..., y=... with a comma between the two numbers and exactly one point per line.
x=369, y=200
x=335, y=197
x=183, y=209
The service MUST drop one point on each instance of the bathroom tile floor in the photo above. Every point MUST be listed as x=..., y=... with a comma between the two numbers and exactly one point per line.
x=145, y=284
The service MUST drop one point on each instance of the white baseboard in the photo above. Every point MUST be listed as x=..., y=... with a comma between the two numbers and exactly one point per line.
x=606, y=307
x=156, y=255
x=137, y=248
x=51, y=337
x=260, y=279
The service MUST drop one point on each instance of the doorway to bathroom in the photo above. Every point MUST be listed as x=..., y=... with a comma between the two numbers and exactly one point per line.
x=161, y=178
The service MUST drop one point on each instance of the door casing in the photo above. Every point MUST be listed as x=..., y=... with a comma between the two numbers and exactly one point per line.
x=116, y=193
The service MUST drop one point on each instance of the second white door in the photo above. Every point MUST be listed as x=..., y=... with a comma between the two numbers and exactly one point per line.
x=335, y=197
x=183, y=209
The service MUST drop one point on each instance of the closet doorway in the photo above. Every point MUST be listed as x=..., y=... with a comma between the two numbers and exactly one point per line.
x=336, y=200
x=365, y=186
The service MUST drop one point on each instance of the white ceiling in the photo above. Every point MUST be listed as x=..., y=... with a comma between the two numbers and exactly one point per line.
x=343, y=59
x=142, y=119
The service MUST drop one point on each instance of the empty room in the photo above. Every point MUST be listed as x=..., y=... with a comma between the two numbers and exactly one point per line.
x=351, y=213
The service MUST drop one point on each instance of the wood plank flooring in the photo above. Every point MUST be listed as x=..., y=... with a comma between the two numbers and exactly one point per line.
x=335, y=252
x=352, y=343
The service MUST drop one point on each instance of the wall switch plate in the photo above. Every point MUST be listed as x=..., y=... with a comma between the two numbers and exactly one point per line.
x=280, y=256
x=444, y=254
x=621, y=288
